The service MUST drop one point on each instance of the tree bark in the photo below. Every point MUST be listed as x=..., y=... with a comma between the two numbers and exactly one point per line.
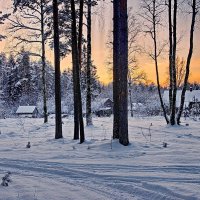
x=76, y=108
x=170, y=53
x=116, y=55
x=80, y=32
x=82, y=134
x=88, y=95
x=76, y=79
x=58, y=120
x=174, y=85
x=43, y=65
x=194, y=13
x=123, y=73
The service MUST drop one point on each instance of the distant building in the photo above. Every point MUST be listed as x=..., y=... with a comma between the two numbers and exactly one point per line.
x=107, y=103
x=103, y=107
x=27, y=111
x=191, y=97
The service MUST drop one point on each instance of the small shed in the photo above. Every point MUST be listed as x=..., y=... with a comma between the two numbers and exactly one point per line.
x=102, y=103
x=27, y=111
x=107, y=103
x=103, y=107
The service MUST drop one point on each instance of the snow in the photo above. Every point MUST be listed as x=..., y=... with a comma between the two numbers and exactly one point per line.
x=105, y=108
x=100, y=168
x=100, y=103
x=189, y=97
x=136, y=106
x=25, y=109
x=18, y=84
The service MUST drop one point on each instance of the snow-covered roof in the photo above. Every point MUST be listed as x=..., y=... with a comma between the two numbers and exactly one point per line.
x=189, y=96
x=104, y=109
x=102, y=101
x=99, y=103
x=25, y=109
x=137, y=104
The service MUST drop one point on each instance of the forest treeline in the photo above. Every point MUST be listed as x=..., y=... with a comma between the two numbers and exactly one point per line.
x=66, y=27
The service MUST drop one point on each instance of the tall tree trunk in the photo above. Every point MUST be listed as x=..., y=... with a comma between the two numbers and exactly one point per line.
x=123, y=72
x=80, y=32
x=116, y=56
x=170, y=53
x=76, y=108
x=89, y=63
x=78, y=123
x=82, y=134
x=156, y=63
x=194, y=13
x=174, y=85
x=76, y=76
x=43, y=65
x=58, y=119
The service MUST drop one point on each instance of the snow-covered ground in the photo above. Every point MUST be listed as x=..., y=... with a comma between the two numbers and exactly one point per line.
x=100, y=168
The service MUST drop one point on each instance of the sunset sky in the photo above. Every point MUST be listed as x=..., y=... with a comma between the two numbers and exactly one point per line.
x=102, y=27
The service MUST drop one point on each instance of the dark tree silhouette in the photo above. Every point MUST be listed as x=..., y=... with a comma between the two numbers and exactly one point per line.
x=195, y=9
x=173, y=67
x=89, y=63
x=78, y=116
x=120, y=71
x=170, y=51
x=58, y=120
x=116, y=53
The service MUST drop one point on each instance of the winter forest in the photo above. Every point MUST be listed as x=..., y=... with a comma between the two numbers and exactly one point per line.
x=99, y=99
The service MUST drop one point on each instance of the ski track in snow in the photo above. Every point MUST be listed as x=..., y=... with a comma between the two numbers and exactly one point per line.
x=57, y=171
x=108, y=186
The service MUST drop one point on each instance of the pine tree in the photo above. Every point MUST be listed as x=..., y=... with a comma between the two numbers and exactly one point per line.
x=78, y=117
x=120, y=72
x=9, y=85
x=24, y=76
x=116, y=66
x=89, y=64
x=2, y=70
x=58, y=131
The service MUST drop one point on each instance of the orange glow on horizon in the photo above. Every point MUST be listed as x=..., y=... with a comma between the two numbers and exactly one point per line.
x=101, y=28
x=105, y=75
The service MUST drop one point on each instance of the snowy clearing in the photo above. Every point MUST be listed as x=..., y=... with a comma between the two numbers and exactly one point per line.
x=100, y=168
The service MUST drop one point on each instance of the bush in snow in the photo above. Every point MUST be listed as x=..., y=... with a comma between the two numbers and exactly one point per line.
x=28, y=145
x=6, y=179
